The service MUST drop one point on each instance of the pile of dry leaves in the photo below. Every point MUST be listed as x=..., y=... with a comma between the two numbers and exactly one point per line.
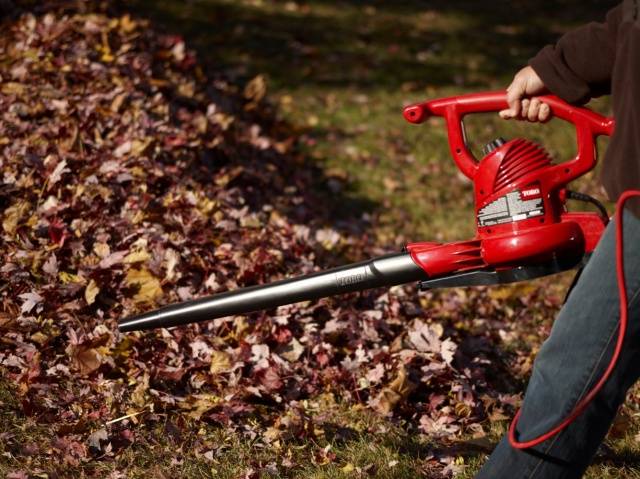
x=130, y=179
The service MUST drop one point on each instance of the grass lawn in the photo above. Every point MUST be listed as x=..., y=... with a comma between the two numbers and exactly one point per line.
x=340, y=73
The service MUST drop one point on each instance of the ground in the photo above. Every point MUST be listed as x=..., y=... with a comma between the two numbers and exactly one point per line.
x=327, y=81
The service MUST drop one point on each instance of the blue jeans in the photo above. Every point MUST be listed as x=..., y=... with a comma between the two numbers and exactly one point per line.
x=570, y=361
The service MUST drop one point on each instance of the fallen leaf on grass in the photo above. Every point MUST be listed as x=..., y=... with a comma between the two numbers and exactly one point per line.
x=90, y=292
x=14, y=215
x=86, y=360
x=51, y=265
x=256, y=89
x=56, y=174
x=96, y=439
x=30, y=300
x=220, y=362
x=198, y=404
x=149, y=285
x=292, y=351
x=394, y=393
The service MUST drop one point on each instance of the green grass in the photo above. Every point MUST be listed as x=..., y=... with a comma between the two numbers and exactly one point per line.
x=346, y=443
x=340, y=73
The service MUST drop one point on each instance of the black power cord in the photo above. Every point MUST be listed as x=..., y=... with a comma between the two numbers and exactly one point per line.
x=574, y=195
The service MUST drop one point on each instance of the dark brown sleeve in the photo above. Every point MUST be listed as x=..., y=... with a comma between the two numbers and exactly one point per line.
x=579, y=66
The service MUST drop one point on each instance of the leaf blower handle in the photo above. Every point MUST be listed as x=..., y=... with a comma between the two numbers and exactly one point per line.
x=588, y=125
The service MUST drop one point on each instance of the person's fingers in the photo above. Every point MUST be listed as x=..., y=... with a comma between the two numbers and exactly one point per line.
x=533, y=110
x=515, y=91
x=526, y=83
x=545, y=113
x=524, y=109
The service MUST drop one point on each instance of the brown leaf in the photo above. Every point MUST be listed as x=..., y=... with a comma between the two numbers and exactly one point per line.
x=199, y=404
x=256, y=89
x=14, y=215
x=90, y=292
x=394, y=393
x=13, y=88
x=220, y=362
x=292, y=351
x=149, y=285
x=86, y=360
x=270, y=379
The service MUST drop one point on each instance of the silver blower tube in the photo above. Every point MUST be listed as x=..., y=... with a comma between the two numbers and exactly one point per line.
x=388, y=270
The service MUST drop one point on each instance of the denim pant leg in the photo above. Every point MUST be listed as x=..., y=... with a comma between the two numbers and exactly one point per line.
x=570, y=361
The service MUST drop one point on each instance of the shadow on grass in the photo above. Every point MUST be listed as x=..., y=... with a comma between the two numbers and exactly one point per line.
x=370, y=44
x=323, y=44
x=312, y=48
x=624, y=457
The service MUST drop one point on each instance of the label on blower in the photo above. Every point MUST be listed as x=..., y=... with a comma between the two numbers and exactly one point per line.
x=354, y=276
x=514, y=206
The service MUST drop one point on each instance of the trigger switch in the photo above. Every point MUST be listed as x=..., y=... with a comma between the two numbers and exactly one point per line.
x=493, y=144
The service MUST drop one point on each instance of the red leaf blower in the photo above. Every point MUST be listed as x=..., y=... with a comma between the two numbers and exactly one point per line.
x=524, y=230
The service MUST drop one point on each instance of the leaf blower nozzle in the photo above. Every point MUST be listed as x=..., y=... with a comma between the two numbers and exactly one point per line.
x=388, y=270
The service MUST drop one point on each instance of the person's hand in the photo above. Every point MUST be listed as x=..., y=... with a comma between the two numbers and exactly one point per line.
x=523, y=105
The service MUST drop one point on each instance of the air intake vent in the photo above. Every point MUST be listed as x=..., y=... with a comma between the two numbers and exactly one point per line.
x=522, y=157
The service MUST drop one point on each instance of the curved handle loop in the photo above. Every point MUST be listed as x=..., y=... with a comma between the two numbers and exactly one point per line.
x=588, y=123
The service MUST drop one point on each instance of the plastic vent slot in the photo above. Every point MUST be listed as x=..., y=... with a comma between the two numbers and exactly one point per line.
x=521, y=158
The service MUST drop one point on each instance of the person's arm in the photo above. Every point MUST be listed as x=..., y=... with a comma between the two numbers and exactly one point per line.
x=577, y=68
